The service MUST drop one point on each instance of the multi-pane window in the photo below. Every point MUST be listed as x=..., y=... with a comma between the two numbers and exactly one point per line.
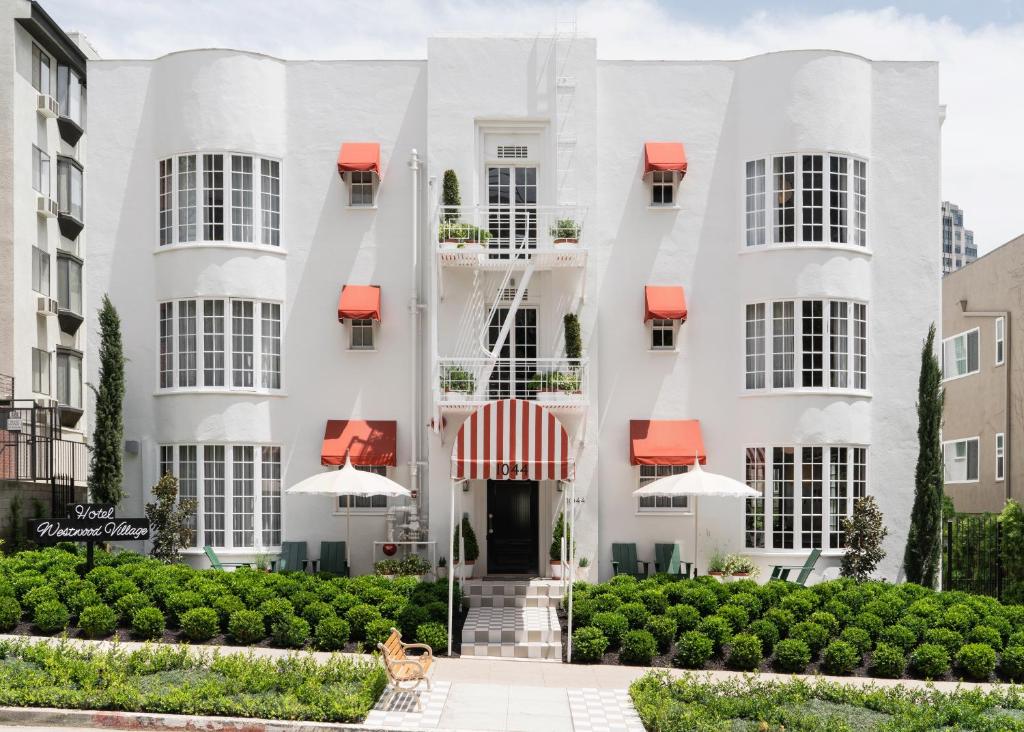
x=754, y=534
x=40, y=371
x=220, y=342
x=69, y=379
x=369, y=504
x=663, y=188
x=216, y=197
x=1000, y=456
x=662, y=334
x=832, y=332
x=794, y=479
x=40, y=271
x=960, y=460
x=188, y=485
x=960, y=354
x=69, y=95
x=69, y=188
x=802, y=188
x=40, y=171
x=214, y=491
x=270, y=495
x=360, y=188
x=243, y=495
x=40, y=70
x=1000, y=340
x=69, y=284
x=654, y=504
x=361, y=334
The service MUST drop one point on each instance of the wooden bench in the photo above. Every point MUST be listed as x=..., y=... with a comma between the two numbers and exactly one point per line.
x=404, y=669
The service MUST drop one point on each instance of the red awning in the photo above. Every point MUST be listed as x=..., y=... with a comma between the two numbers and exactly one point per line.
x=366, y=442
x=665, y=156
x=665, y=442
x=359, y=302
x=360, y=156
x=667, y=303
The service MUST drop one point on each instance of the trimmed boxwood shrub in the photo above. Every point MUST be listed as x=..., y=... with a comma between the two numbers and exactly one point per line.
x=51, y=616
x=246, y=627
x=801, y=603
x=840, y=657
x=767, y=632
x=637, y=648
x=606, y=602
x=635, y=613
x=827, y=621
x=718, y=629
x=316, y=611
x=613, y=625
x=899, y=636
x=10, y=613
x=1011, y=663
x=1000, y=623
x=148, y=623
x=226, y=606
x=948, y=639
x=200, y=624
x=839, y=610
x=437, y=611
x=655, y=601
x=748, y=601
x=82, y=599
x=274, y=610
x=744, y=652
x=959, y=617
x=888, y=661
x=359, y=616
x=737, y=616
x=97, y=621
x=38, y=595
x=814, y=635
x=331, y=634
x=686, y=617
x=126, y=605
x=701, y=597
x=792, y=655
x=977, y=661
x=179, y=603
x=664, y=631
x=377, y=631
x=412, y=617
x=588, y=645
x=781, y=619
x=858, y=638
x=869, y=622
x=434, y=635
x=693, y=650
x=987, y=635
x=930, y=661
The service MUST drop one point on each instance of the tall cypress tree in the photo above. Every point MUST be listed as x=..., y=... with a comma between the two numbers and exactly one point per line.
x=924, y=540
x=105, y=471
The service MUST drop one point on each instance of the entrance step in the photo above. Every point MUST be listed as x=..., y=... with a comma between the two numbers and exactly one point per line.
x=512, y=632
x=537, y=593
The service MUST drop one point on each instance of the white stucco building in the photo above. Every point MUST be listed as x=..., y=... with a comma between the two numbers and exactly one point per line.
x=786, y=220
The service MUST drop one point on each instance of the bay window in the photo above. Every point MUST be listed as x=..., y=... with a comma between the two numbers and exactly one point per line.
x=69, y=95
x=799, y=189
x=214, y=197
x=218, y=343
x=41, y=271
x=803, y=340
x=237, y=489
x=69, y=378
x=793, y=510
x=69, y=188
x=69, y=284
x=960, y=354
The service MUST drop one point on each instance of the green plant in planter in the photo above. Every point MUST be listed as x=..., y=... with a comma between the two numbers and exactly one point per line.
x=740, y=564
x=573, y=341
x=716, y=564
x=566, y=229
x=457, y=379
x=560, y=530
x=450, y=197
x=461, y=233
x=386, y=566
x=472, y=548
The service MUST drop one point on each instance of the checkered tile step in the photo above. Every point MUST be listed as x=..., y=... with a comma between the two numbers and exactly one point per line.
x=397, y=709
x=603, y=710
x=511, y=625
x=534, y=593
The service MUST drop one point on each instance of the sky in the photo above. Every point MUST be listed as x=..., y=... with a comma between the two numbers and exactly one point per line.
x=978, y=43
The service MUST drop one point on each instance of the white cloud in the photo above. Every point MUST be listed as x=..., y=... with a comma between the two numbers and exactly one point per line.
x=980, y=69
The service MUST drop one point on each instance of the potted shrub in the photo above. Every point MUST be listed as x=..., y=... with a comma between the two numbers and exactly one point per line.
x=555, y=551
x=565, y=231
x=456, y=383
x=442, y=568
x=472, y=549
x=451, y=199
x=414, y=566
x=583, y=570
x=716, y=566
x=457, y=235
x=740, y=566
x=387, y=568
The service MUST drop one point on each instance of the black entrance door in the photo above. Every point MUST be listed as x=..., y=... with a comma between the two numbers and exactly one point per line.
x=512, y=527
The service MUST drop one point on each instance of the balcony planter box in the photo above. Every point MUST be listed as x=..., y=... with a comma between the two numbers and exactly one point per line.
x=565, y=231
x=566, y=241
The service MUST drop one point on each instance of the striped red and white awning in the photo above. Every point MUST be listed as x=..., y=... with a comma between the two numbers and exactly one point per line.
x=512, y=439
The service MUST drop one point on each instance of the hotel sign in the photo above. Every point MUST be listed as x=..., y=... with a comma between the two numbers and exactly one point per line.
x=89, y=522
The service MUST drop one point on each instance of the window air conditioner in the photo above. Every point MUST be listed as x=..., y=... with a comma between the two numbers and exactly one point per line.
x=46, y=306
x=46, y=206
x=47, y=106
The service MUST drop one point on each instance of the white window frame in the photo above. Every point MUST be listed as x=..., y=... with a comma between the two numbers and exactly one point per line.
x=660, y=471
x=663, y=326
x=362, y=181
x=1000, y=456
x=41, y=172
x=194, y=362
x=41, y=81
x=760, y=182
x=1000, y=327
x=948, y=343
x=664, y=180
x=40, y=271
x=362, y=326
x=41, y=365
x=955, y=444
x=382, y=502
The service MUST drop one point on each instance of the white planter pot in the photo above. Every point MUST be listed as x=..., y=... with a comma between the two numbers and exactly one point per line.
x=464, y=571
x=583, y=573
x=720, y=576
x=556, y=570
x=442, y=572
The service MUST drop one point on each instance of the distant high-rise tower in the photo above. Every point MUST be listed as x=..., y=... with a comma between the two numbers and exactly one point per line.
x=957, y=242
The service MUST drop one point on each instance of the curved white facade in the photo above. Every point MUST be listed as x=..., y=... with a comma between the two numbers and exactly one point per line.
x=469, y=107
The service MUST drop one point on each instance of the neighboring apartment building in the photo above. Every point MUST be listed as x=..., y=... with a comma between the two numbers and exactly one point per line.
x=958, y=247
x=734, y=237
x=983, y=419
x=43, y=458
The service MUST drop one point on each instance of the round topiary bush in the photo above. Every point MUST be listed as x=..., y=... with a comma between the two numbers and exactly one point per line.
x=781, y=619
x=1011, y=663
x=948, y=639
x=274, y=610
x=899, y=636
x=377, y=631
x=606, y=602
x=930, y=661
x=655, y=601
x=745, y=652
x=316, y=611
x=10, y=613
x=801, y=603
x=97, y=621
x=51, y=616
x=226, y=606
x=686, y=617
x=637, y=648
x=1000, y=623
x=887, y=661
x=977, y=661
x=840, y=658
x=869, y=622
x=82, y=599
x=736, y=615
x=332, y=634
x=148, y=623
x=693, y=650
x=437, y=611
x=291, y=631
x=839, y=610
x=987, y=635
x=200, y=624
x=434, y=635
x=582, y=612
x=664, y=631
x=246, y=627
x=700, y=597
x=858, y=638
x=588, y=645
x=38, y=595
x=412, y=617
x=359, y=616
x=959, y=617
x=718, y=629
x=792, y=655
x=827, y=621
x=126, y=605
x=814, y=635
x=767, y=632
x=635, y=614
x=179, y=603
x=748, y=601
x=613, y=625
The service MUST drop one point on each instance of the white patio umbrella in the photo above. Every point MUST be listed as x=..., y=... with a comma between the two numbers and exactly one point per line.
x=352, y=483
x=697, y=483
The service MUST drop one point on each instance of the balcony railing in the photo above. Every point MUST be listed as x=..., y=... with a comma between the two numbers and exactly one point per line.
x=499, y=232
x=558, y=381
x=32, y=449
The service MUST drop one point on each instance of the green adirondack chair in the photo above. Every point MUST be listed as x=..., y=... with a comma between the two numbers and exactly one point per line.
x=667, y=560
x=624, y=561
x=293, y=557
x=781, y=571
x=217, y=564
x=332, y=558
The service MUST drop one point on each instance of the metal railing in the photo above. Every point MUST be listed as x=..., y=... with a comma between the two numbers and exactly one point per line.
x=499, y=229
x=543, y=379
x=32, y=449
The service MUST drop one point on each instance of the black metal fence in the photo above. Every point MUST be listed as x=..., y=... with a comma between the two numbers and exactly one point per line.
x=971, y=556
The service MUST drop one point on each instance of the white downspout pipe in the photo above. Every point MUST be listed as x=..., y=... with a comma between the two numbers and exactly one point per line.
x=414, y=330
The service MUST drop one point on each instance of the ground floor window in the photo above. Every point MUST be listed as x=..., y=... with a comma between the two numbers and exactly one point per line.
x=237, y=489
x=960, y=460
x=366, y=503
x=661, y=504
x=805, y=492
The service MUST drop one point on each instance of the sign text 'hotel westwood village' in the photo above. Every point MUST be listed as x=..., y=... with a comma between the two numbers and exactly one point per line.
x=88, y=522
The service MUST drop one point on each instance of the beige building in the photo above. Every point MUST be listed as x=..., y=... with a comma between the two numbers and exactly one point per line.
x=983, y=423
